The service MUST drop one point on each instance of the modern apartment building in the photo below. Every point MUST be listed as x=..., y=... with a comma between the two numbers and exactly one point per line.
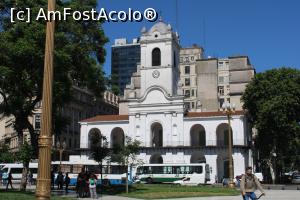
x=188, y=75
x=124, y=59
x=222, y=80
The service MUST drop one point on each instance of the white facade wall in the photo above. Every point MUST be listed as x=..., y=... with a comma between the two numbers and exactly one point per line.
x=105, y=129
x=159, y=103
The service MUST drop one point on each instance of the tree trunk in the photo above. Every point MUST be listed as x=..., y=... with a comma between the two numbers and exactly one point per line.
x=33, y=139
x=25, y=165
x=127, y=180
x=101, y=178
x=24, y=176
x=272, y=171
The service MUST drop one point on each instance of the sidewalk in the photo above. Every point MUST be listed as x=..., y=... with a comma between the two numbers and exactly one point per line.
x=270, y=195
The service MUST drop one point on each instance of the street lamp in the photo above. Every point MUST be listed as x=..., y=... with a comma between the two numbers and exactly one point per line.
x=229, y=109
x=43, y=186
x=60, y=147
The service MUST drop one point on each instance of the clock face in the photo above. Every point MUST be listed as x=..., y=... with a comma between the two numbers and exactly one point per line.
x=155, y=74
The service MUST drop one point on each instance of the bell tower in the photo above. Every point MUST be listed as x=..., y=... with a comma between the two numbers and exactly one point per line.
x=160, y=58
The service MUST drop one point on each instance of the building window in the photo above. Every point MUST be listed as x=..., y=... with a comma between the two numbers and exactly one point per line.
x=187, y=69
x=221, y=79
x=187, y=82
x=70, y=142
x=193, y=105
x=187, y=93
x=221, y=90
x=174, y=60
x=37, y=122
x=192, y=58
x=221, y=102
x=187, y=105
x=187, y=59
x=156, y=57
x=193, y=93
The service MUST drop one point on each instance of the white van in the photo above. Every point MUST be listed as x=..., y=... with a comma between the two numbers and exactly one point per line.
x=17, y=168
x=259, y=176
x=192, y=180
x=195, y=179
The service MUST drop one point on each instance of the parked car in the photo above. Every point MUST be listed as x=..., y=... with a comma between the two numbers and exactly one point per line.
x=296, y=179
x=259, y=176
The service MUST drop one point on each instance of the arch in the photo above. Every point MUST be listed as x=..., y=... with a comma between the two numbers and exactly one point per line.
x=117, y=138
x=156, y=134
x=197, y=157
x=94, y=137
x=156, y=57
x=197, y=136
x=223, y=167
x=156, y=159
x=222, y=135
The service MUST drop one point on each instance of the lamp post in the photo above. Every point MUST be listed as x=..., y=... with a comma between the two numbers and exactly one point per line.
x=43, y=187
x=60, y=147
x=229, y=109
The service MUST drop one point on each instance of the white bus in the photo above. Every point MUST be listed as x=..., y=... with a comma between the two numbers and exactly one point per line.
x=112, y=174
x=16, y=170
x=168, y=173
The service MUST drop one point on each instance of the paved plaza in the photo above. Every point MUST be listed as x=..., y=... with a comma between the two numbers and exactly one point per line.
x=270, y=195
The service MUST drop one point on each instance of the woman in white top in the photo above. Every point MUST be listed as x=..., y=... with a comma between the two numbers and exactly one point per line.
x=92, y=186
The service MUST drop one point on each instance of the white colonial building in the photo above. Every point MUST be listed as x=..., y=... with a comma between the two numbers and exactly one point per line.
x=152, y=111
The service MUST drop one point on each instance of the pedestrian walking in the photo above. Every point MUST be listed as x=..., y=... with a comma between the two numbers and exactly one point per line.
x=92, y=186
x=9, y=181
x=30, y=178
x=80, y=184
x=4, y=178
x=249, y=184
x=67, y=182
x=60, y=180
x=1, y=174
x=52, y=179
x=86, y=185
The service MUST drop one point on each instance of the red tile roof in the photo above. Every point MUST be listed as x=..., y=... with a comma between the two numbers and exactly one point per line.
x=100, y=118
x=107, y=118
x=212, y=114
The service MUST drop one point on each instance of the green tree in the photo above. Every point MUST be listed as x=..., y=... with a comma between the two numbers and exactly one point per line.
x=5, y=155
x=25, y=155
x=272, y=100
x=78, y=54
x=100, y=151
x=112, y=82
x=127, y=155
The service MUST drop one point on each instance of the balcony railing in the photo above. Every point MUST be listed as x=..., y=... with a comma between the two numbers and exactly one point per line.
x=208, y=143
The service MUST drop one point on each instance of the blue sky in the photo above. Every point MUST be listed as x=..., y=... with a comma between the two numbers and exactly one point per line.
x=268, y=31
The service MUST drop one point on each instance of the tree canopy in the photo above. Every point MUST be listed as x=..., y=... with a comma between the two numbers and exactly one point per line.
x=78, y=55
x=272, y=100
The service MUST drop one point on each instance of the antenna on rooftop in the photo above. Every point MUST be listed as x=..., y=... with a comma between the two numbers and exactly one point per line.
x=204, y=34
x=160, y=16
x=176, y=14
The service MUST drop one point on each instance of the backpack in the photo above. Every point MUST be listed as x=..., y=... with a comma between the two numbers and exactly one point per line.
x=92, y=182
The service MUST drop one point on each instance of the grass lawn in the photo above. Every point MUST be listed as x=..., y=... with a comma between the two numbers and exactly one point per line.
x=17, y=195
x=155, y=191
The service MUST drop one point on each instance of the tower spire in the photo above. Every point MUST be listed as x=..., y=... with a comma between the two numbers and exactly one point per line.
x=160, y=16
